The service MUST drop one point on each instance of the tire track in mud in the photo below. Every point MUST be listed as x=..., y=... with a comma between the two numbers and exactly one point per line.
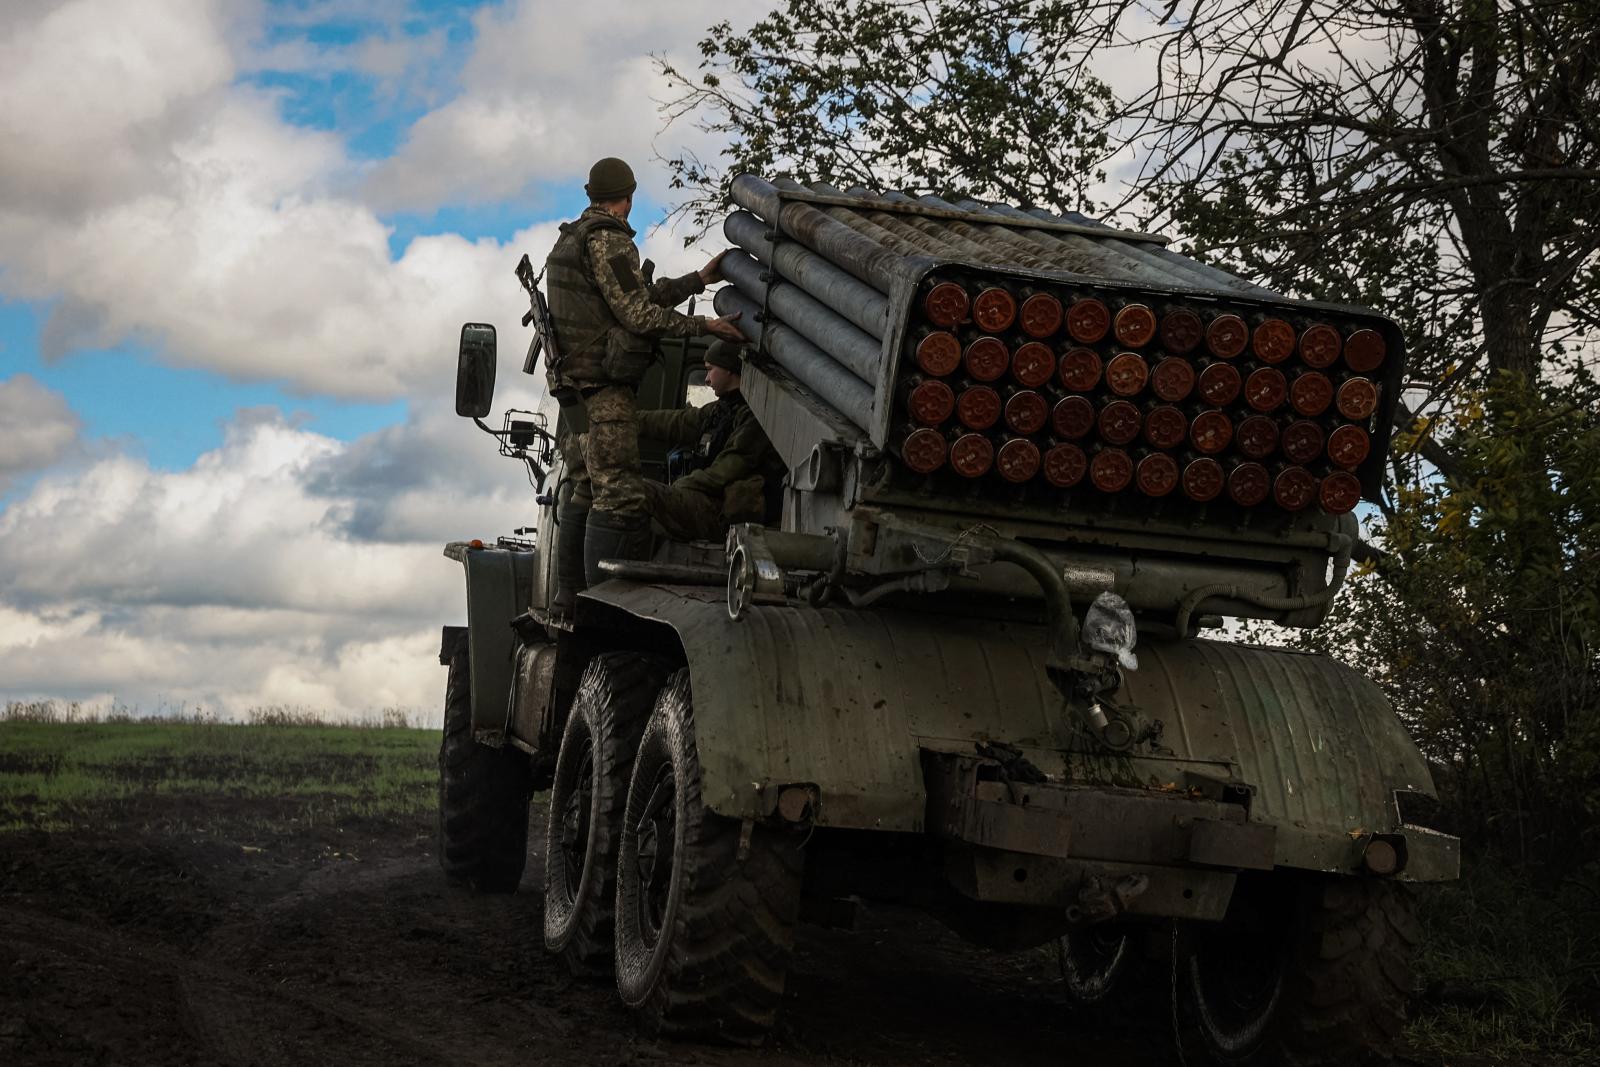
x=247, y=1022
x=214, y=994
x=302, y=954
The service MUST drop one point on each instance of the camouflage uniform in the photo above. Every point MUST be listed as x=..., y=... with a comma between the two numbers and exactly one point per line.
x=738, y=482
x=608, y=317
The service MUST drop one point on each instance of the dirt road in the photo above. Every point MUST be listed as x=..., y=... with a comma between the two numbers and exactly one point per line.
x=153, y=943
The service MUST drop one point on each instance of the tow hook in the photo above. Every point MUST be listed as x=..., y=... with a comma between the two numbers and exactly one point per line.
x=1099, y=902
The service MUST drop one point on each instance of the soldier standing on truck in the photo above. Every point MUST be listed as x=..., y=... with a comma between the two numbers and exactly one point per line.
x=608, y=317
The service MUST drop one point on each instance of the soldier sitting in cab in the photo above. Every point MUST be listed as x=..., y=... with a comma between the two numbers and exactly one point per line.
x=738, y=475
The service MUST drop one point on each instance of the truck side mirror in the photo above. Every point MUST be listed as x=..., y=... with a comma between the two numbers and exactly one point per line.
x=475, y=371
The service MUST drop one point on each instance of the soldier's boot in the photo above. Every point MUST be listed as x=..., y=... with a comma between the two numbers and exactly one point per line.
x=613, y=537
x=573, y=520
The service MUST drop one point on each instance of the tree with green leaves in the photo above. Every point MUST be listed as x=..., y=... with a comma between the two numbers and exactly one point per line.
x=1436, y=159
x=963, y=99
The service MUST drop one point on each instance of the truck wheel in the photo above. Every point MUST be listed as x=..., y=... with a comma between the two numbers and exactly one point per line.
x=483, y=796
x=614, y=698
x=706, y=905
x=1318, y=977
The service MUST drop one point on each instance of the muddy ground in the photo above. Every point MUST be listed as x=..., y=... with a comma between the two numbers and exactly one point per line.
x=159, y=940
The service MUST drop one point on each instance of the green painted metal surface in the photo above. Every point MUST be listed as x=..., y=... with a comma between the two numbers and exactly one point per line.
x=499, y=587
x=848, y=700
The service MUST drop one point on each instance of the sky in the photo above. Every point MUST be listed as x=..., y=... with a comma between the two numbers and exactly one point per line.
x=237, y=242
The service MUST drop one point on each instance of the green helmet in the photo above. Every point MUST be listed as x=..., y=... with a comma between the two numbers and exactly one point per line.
x=610, y=179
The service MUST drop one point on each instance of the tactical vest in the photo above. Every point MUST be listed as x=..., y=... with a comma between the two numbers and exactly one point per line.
x=582, y=318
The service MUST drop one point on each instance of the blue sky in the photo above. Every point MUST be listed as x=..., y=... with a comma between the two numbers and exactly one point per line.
x=228, y=456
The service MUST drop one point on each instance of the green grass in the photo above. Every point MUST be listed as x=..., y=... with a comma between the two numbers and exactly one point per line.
x=63, y=776
x=1510, y=970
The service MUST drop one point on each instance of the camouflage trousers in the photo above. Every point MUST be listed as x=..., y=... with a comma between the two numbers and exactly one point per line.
x=684, y=514
x=604, y=463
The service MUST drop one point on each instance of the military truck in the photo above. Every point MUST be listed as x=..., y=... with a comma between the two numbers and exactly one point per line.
x=1031, y=459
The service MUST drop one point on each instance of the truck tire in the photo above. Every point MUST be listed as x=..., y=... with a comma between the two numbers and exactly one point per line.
x=483, y=796
x=706, y=905
x=1323, y=978
x=614, y=699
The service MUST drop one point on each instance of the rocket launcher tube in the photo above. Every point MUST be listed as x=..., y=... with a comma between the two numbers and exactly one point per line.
x=855, y=300
x=812, y=320
x=856, y=253
x=815, y=369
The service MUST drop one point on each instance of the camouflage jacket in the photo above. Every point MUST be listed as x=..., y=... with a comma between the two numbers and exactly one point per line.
x=734, y=443
x=603, y=305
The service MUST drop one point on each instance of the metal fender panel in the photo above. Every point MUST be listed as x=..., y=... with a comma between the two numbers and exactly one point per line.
x=1317, y=740
x=841, y=699
x=499, y=584
x=847, y=701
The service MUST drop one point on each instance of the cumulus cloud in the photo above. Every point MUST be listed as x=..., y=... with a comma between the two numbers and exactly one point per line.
x=149, y=195
x=549, y=89
x=149, y=192
x=36, y=427
x=284, y=567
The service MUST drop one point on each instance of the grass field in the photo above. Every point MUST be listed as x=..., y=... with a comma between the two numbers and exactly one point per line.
x=65, y=776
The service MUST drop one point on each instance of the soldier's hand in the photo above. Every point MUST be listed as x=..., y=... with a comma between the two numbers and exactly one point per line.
x=725, y=328
x=712, y=271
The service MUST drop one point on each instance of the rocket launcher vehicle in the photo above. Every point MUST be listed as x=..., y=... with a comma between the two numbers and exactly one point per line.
x=1155, y=425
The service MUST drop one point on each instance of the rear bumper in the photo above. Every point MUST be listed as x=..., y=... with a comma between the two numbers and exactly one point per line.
x=1104, y=852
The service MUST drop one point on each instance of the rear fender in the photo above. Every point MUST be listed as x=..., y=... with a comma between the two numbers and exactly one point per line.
x=499, y=588
x=846, y=703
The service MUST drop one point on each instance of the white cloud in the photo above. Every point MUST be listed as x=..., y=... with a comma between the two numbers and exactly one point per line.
x=282, y=568
x=147, y=193
x=150, y=196
x=549, y=89
x=36, y=427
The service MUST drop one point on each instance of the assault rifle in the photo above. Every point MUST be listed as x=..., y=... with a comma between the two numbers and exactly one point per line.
x=538, y=315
